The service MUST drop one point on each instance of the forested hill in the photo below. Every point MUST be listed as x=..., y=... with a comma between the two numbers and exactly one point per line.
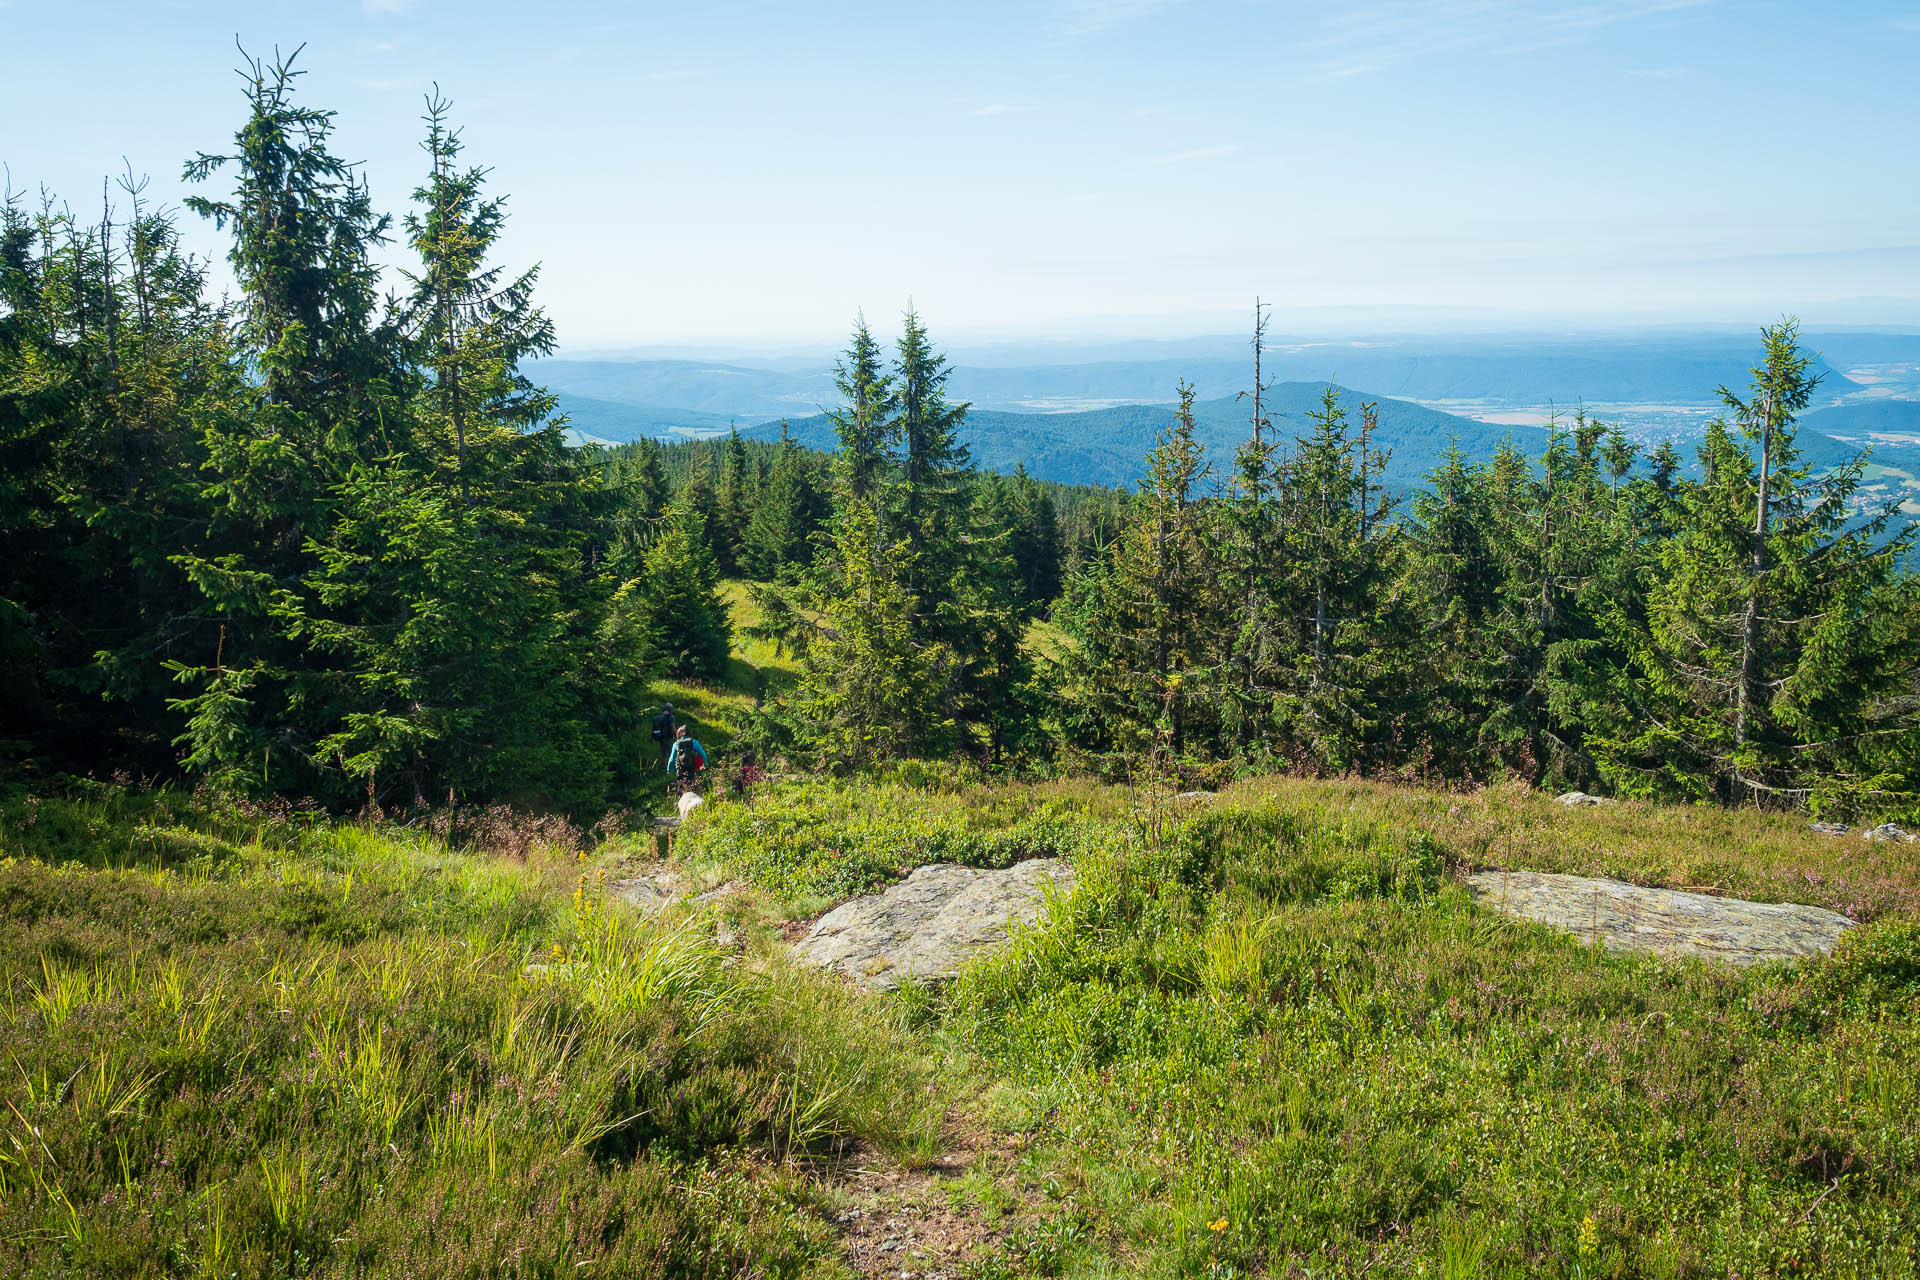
x=1867, y=418
x=1108, y=446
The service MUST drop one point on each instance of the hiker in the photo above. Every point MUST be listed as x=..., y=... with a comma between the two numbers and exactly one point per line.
x=686, y=760
x=663, y=726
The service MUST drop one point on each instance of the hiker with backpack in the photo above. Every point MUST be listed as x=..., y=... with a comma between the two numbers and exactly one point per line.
x=663, y=727
x=686, y=760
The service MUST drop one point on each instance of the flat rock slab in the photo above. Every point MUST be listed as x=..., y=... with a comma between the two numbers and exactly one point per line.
x=929, y=924
x=649, y=893
x=1627, y=917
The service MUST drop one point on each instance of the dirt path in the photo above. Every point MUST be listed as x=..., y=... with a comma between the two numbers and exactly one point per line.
x=912, y=1222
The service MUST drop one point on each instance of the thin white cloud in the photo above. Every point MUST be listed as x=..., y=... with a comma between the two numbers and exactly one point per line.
x=1909, y=23
x=1656, y=73
x=1373, y=37
x=1201, y=153
x=993, y=109
x=1084, y=17
x=385, y=6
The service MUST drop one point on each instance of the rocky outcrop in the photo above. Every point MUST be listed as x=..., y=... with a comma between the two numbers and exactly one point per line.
x=1627, y=917
x=926, y=926
x=1574, y=799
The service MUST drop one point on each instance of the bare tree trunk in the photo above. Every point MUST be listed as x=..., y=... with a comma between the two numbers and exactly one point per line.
x=113, y=344
x=1750, y=625
x=450, y=372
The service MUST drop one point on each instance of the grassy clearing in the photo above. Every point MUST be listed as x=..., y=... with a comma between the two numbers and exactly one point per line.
x=254, y=1046
x=1280, y=1040
x=716, y=711
x=1285, y=1042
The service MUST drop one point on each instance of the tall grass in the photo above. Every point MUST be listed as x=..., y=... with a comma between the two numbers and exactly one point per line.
x=265, y=1046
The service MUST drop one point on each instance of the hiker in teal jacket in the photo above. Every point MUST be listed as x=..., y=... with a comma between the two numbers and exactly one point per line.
x=686, y=760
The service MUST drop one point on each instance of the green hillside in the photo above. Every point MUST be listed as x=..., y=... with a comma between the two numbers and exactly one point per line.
x=1108, y=446
x=620, y=422
x=1892, y=416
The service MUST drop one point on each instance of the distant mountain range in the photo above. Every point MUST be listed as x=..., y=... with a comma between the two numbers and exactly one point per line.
x=1654, y=369
x=1113, y=408
x=1109, y=446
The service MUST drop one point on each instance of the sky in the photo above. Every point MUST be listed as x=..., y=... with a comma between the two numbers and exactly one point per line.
x=760, y=173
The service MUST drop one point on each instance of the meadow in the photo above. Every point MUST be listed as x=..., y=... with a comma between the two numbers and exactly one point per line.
x=1268, y=1034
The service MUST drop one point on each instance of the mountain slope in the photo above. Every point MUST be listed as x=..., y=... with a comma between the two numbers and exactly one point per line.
x=1869, y=417
x=709, y=387
x=622, y=423
x=1108, y=446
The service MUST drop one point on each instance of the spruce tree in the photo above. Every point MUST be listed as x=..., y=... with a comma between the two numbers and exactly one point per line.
x=684, y=617
x=864, y=422
x=109, y=352
x=333, y=391
x=733, y=504
x=1247, y=538
x=778, y=540
x=936, y=474
x=1774, y=661
x=1034, y=523
x=870, y=687
x=406, y=563
x=1339, y=555
x=697, y=506
x=1144, y=642
x=456, y=577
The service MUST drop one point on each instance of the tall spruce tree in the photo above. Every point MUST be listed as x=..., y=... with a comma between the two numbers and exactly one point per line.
x=1331, y=707
x=936, y=474
x=864, y=423
x=1774, y=662
x=333, y=391
x=684, y=617
x=1247, y=539
x=405, y=561
x=455, y=578
x=1145, y=640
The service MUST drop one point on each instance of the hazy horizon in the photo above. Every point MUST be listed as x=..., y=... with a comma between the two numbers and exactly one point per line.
x=755, y=175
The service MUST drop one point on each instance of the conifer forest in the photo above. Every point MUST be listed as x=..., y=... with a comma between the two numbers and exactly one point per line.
x=321, y=541
x=1506, y=874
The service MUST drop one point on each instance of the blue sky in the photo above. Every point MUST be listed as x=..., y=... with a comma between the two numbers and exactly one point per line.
x=727, y=171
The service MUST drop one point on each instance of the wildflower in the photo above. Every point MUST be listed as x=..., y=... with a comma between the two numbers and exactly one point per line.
x=1589, y=1236
x=1218, y=1224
